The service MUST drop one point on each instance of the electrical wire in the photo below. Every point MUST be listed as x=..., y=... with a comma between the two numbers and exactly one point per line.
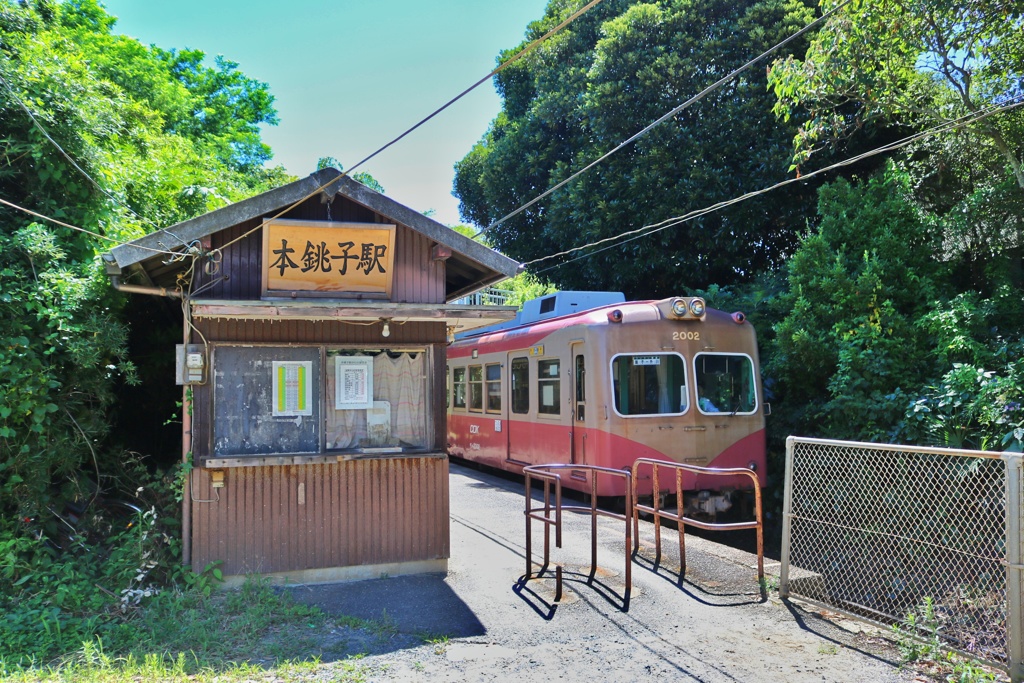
x=519, y=55
x=696, y=98
x=67, y=156
x=74, y=227
x=676, y=220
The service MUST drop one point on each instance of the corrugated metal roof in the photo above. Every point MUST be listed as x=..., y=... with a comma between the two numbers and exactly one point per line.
x=470, y=267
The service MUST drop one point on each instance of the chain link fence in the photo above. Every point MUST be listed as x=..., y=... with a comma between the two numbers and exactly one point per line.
x=924, y=537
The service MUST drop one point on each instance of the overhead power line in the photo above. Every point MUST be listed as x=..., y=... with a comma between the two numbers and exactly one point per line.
x=696, y=98
x=74, y=164
x=73, y=227
x=508, y=62
x=629, y=236
x=501, y=67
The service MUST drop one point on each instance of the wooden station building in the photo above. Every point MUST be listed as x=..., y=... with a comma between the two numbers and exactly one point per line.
x=316, y=323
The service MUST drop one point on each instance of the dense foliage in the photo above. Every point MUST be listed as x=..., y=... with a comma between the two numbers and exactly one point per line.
x=112, y=138
x=887, y=310
x=612, y=72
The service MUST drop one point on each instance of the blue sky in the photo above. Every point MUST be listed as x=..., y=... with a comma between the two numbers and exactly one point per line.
x=350, y=75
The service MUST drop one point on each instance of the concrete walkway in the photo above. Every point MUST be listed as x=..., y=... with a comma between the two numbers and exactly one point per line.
x=717, y=625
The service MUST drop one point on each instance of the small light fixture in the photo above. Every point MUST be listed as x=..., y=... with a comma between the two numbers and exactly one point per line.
x=386, y=330
x=697, y=307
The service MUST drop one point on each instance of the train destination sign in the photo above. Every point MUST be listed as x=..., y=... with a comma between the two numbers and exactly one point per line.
x=646, y=360
x=324, y=258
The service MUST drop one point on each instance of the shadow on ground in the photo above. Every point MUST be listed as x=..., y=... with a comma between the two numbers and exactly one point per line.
x=421, y=605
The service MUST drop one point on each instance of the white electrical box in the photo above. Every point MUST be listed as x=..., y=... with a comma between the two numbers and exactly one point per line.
x=190, y=364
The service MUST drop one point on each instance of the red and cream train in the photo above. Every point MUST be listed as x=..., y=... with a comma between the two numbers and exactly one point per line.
x=589, y=378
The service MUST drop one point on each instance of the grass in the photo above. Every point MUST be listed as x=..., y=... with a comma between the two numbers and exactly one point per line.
x=918, y=640
x=252, y=634
x=97, y=667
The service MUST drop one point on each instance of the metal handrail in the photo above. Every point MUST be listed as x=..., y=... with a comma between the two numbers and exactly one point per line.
x=681, y=520
x=544, y=473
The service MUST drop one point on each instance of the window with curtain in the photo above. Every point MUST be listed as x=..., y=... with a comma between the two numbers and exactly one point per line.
x=397, y=418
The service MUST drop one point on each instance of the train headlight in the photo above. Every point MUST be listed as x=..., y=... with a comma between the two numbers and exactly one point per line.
x=679, y=308
x=697, y=307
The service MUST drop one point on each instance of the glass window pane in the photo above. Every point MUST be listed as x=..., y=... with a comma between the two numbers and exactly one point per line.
x=649, y=384
x=493, y=373
x=459, y=388
x=476, y=387
x=520, y=378
x=725, y=383
x=396, y=419
x=548, y=387
x=581, y=375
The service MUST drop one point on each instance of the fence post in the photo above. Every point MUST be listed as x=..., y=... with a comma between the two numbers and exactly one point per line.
x=787, y=525
x=1014, y=566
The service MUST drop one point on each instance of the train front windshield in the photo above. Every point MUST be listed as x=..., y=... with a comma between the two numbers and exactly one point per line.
x=649, y=384
x=725, y=383
x=657, y=384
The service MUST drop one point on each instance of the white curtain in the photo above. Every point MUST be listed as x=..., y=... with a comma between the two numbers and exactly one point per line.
x=400, y=381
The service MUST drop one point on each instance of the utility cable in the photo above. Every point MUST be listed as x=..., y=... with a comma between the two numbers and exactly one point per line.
x=696, y=98
x=516, y=57
x=74, y=227
x=676, y=220
x=519, y=55
x=67, y=156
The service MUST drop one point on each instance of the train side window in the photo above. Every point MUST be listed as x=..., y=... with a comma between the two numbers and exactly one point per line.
x=725, y=383
x=520, y=379
x=649, y=384
x=476, y=388
x=447, y=386
x=459, y=388
x=549, y=383
x=492, y=374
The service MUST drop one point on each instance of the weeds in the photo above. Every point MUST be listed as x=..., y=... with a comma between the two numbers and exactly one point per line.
x=382, y=628
x=919, y=642
x=440, y=644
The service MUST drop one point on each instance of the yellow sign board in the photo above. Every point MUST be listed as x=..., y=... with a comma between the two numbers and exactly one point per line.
x=324, y=258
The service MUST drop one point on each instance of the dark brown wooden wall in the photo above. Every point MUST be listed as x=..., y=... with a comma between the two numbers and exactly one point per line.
x=417, y=278
x=333, y=332
x=359, y=512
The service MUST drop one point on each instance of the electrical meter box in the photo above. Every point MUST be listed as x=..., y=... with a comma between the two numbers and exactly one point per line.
x=190, y=364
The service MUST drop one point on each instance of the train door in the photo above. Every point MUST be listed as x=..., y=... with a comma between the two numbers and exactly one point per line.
x=578, y=392
x=518, y=430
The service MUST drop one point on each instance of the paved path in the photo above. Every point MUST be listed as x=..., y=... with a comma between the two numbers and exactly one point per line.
x=716, y=626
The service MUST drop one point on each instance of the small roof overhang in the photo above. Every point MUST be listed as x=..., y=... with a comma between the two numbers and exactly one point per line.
x=456, y=316
x=471, y=266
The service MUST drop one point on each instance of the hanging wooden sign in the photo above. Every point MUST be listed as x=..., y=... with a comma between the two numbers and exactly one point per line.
x=322, y=258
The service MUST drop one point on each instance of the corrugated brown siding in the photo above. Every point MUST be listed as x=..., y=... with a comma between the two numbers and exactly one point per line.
x=417, y=278
x=358, y=512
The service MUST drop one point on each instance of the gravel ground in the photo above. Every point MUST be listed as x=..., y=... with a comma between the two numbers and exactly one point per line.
x=481, y=623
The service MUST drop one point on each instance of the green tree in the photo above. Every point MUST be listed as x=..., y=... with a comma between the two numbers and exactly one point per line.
x=360, y=176
x=857, y=286
x=917, y=64
x=99, y=132
x=600, y=80
x=917, y=61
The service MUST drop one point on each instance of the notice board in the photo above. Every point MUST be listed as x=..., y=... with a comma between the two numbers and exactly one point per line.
x=266, y=400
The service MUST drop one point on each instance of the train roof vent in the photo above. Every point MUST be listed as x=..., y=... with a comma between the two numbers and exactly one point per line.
x=565, y=303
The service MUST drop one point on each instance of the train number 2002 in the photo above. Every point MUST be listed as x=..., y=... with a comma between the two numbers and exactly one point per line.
x=686, y=336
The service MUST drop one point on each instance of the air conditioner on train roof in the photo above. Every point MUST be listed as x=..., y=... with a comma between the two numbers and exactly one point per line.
x=551, y=306
x=566, y=303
